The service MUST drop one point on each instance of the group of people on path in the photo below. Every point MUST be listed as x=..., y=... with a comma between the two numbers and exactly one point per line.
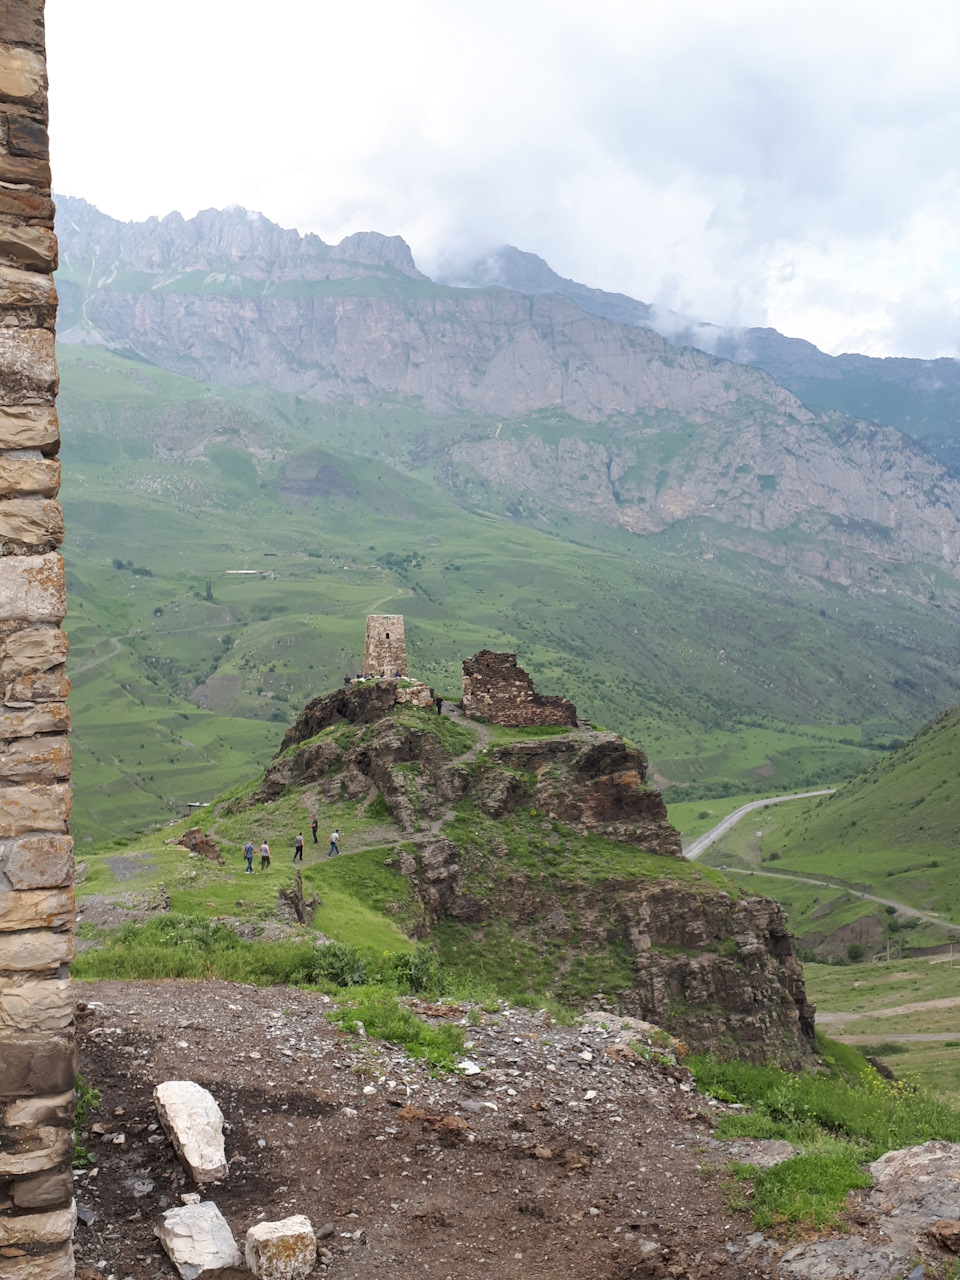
x=248, y=848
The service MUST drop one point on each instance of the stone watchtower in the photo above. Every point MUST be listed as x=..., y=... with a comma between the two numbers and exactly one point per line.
x=37, y=1054
x=385, y=648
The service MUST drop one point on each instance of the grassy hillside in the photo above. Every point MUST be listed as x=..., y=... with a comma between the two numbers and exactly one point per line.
x=733, y=680
x=894, y=826
x=890, y=832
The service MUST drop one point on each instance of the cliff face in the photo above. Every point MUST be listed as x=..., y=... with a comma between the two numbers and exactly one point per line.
x=581, y=412
x=553, y=850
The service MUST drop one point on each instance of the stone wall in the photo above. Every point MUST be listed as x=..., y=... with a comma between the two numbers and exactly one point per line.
x=37, y=1052
x=496, y=689
x=385, y=648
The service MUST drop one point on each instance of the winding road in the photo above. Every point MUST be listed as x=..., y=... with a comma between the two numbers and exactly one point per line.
x=702, y=843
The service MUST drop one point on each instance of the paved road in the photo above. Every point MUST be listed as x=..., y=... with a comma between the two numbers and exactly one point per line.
x=855, y=893
x=702, y=843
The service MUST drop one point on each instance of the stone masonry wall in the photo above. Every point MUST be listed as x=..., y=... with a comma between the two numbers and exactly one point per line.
x=385, y=648
x=495, y=688
x=37, y=1052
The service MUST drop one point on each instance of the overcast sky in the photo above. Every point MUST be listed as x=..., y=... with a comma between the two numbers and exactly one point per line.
x=783, y=162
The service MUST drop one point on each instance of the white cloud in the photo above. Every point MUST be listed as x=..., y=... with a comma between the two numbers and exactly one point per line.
x=793, y=164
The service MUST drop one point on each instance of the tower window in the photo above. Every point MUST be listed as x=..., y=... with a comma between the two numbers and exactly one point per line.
x=388, y=635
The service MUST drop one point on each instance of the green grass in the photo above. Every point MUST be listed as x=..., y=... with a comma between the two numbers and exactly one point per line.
x=383, y=1017
x=839, y=1119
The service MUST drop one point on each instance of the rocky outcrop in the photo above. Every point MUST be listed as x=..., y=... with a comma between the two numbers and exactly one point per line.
x=589, y=780
x=718, y=972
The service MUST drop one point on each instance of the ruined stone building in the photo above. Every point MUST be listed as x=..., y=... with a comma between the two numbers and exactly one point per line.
x=496, y=689
x=37, y=1050
x=384, y=649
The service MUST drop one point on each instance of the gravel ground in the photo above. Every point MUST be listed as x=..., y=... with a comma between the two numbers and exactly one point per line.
x=565, y=1156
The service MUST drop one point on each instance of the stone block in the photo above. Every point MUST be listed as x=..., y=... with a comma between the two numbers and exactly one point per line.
x=33, y=588
x=33, y=171
x=27, y=475
x=23, y=22
x=31, y=247
x=37, y=647
x=199, y=1242
x=285, y=1250
x=46, y=717
x=33, y=1005
x=28, y=206
x=31, y=1065
x=29, y=426
x=43, y=1191
x=28, y=367
x=52, y=1147
x=43, y=759
x=38, y=1228
x=26, y=289
x=36, y=951
x=33, y=522
x=36, y=909
x=57, y=1265
x=37, y=686
x=26, y=136
x=194, y=1123
x=34, y=808
x=34, y=1112
x=23, y=75
x=37, y=862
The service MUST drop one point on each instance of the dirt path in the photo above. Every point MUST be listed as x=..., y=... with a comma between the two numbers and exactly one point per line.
x=892, y=1011
x=856, y=893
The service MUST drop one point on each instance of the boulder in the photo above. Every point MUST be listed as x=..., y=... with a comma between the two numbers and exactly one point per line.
x=200, y=1244
x=285, y=1250
x=194, y=1124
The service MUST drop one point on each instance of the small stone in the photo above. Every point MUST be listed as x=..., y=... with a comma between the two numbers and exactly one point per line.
x=194, y=1123
x=190, y=1197
x=349, y=1112
x=946, y=1232
x=369, y=1089
x=589, y=1095
x=285, y=1250
x=468, y=1067
x=199, y=1242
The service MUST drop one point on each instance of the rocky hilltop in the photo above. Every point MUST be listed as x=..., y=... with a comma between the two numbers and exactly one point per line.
x=564, y=400
x=548, y=846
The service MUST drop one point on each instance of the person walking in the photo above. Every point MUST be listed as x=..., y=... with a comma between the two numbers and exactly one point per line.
x=298, y=847
x=248, y=854
x=439, y=706
x=334, y=843
x=264, y=856
x=313, y=828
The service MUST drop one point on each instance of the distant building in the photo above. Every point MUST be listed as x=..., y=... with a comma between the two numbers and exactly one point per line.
x=385, y=647
x=496, y=689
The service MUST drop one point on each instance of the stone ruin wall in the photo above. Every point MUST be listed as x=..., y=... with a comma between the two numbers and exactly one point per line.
x=384, y=648
x=495, y=688
x=37, y=1047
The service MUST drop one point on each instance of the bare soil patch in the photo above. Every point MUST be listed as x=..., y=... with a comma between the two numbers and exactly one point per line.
x=517, y=1171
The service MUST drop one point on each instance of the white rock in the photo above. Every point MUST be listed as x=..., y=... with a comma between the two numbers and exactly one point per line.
x=200, y=1243
x=285, y=1250
x=194, y=1123
x=469, y=1068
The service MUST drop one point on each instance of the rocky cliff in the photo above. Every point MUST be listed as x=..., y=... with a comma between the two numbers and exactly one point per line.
x=560, y=401
x=548, y=851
